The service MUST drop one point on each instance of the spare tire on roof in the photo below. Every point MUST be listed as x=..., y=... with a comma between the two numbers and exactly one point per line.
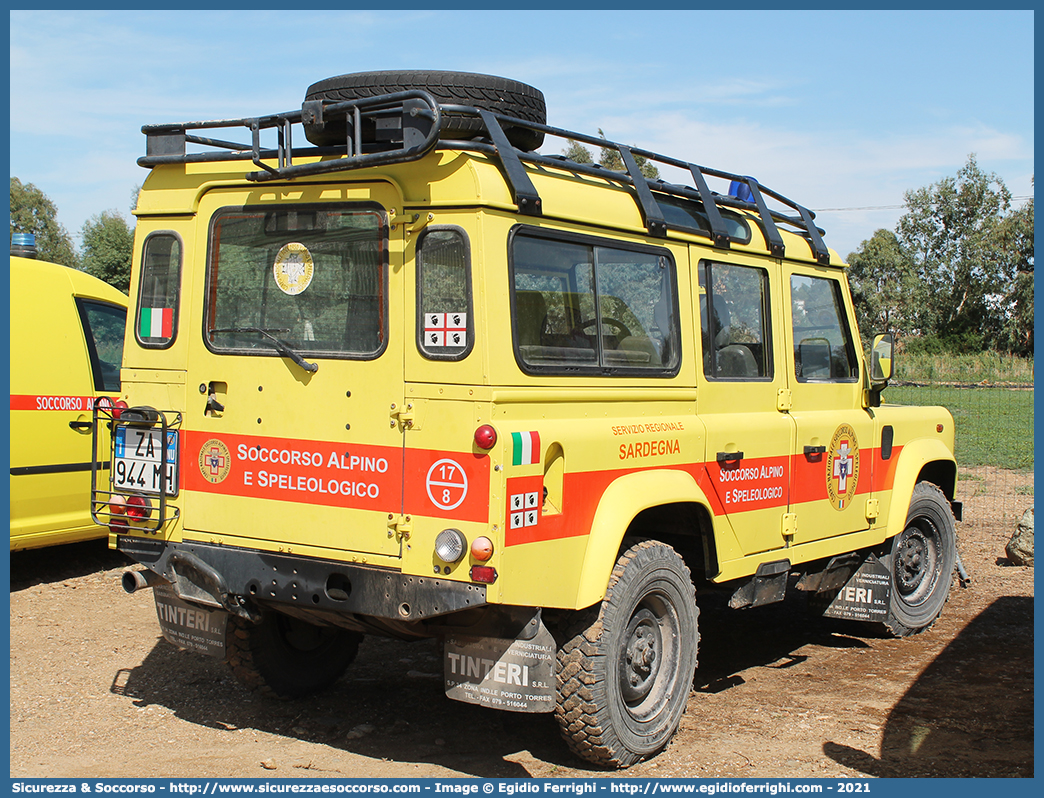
x=488, y=92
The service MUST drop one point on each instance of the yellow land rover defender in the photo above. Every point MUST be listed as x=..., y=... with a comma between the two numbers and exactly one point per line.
x=392, y=370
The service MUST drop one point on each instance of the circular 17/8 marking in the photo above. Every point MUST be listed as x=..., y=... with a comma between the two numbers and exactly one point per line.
x=447, y=484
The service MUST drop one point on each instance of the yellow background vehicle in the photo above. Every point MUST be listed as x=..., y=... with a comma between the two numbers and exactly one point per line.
x=423, y=381
x=66, y=339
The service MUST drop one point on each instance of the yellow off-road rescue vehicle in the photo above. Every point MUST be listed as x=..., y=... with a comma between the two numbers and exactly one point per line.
x=393, y=371
x=67, y=331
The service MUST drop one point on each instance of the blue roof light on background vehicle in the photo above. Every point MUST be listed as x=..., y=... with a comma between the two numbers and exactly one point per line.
x=23, y=245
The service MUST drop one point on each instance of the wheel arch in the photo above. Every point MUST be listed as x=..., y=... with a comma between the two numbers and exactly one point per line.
x=662, y=504
x=923, y=460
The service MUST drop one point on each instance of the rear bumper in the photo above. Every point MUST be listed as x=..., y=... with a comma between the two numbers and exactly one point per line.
x=221, y=575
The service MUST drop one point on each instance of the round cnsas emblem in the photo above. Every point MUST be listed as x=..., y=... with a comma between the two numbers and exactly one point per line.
x=215, y=461
x=842, y=467
x=293, y=268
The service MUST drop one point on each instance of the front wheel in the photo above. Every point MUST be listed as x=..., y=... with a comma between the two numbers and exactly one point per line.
x=921, y=562
x=286, y=657
x=625, y=669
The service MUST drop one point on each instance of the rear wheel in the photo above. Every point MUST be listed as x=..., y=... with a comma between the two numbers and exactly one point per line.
x=921, y=562
x=625, y=669
x=287, y=657
x=487, y=92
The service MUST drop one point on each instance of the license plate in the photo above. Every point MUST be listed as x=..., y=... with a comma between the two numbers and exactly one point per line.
x=138, y=461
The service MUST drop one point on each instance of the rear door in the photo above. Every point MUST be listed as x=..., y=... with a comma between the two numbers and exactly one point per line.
x=749, y=437
x=292, y=442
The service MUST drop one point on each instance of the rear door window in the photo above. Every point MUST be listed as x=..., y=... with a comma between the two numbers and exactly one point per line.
x=735, y=323
x=315, y=278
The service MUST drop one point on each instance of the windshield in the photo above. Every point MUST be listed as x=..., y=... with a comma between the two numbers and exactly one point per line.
x=313, y=276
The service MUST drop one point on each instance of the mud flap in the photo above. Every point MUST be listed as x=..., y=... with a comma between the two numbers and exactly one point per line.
x=516, y=675
x=190, y=626
x=864, y=597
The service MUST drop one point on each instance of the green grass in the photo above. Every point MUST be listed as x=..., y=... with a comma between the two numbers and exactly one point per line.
x=991, y=368
x=994, y=425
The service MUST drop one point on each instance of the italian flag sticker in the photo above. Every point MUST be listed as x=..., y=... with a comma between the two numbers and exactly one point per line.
x=157, y=323
x=525, y=448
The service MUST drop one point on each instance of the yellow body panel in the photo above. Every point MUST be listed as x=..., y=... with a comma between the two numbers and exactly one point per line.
x=607, y=448
x=52, y=386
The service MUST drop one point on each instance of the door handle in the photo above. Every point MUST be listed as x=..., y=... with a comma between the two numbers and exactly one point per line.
x=81, y=425
x=812, y=452
x=730, y=457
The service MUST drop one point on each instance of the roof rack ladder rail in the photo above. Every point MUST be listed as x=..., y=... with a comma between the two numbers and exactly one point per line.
x=523, y=192
x=286, y=150
x=652, y=216
x=354, y=144
x=775, y=240
x=819, y=249
x=719, y=233
x=255, y=135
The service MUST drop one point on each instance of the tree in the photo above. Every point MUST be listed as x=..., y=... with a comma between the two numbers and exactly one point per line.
x=1016, y=237
x=107, y=244
x=884, y=285
x=952, y=230
x=33, y=212
x=609, y=159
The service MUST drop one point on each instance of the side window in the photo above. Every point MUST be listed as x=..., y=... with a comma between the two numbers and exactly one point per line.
x=734, y=322
x=156, y=325
x=103, y=327
x=823, y=350
x=580, y=306
x=445, y=329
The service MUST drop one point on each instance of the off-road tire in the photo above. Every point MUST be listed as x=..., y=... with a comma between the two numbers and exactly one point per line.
x=487, y=92
x=285, y=657
x=625, y=666
x=921, y=562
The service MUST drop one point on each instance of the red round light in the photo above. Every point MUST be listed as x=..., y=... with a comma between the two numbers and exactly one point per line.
x=139, y=507
x=485, y=437
x=118, y=407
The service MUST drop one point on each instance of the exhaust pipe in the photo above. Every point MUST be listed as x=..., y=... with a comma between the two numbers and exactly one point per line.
x=133, y=581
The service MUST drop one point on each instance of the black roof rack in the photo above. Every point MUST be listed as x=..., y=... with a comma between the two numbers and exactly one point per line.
x=407, y=126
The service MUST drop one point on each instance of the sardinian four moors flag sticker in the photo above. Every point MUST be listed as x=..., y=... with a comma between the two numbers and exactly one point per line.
x=842, y=467
x=293, y=268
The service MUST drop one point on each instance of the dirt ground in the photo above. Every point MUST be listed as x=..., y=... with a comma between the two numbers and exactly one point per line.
x=96, y=692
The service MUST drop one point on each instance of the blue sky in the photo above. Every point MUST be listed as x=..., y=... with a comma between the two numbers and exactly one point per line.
x=835, y=109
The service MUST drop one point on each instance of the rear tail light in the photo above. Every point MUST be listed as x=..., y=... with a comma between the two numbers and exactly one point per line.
x=486, y=574
x=482, y=549
x=114, y=407
x=485, y=437
x=117, y=504
x=139, y=507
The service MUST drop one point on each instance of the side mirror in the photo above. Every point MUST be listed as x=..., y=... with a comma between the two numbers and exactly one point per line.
x=881, y=359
